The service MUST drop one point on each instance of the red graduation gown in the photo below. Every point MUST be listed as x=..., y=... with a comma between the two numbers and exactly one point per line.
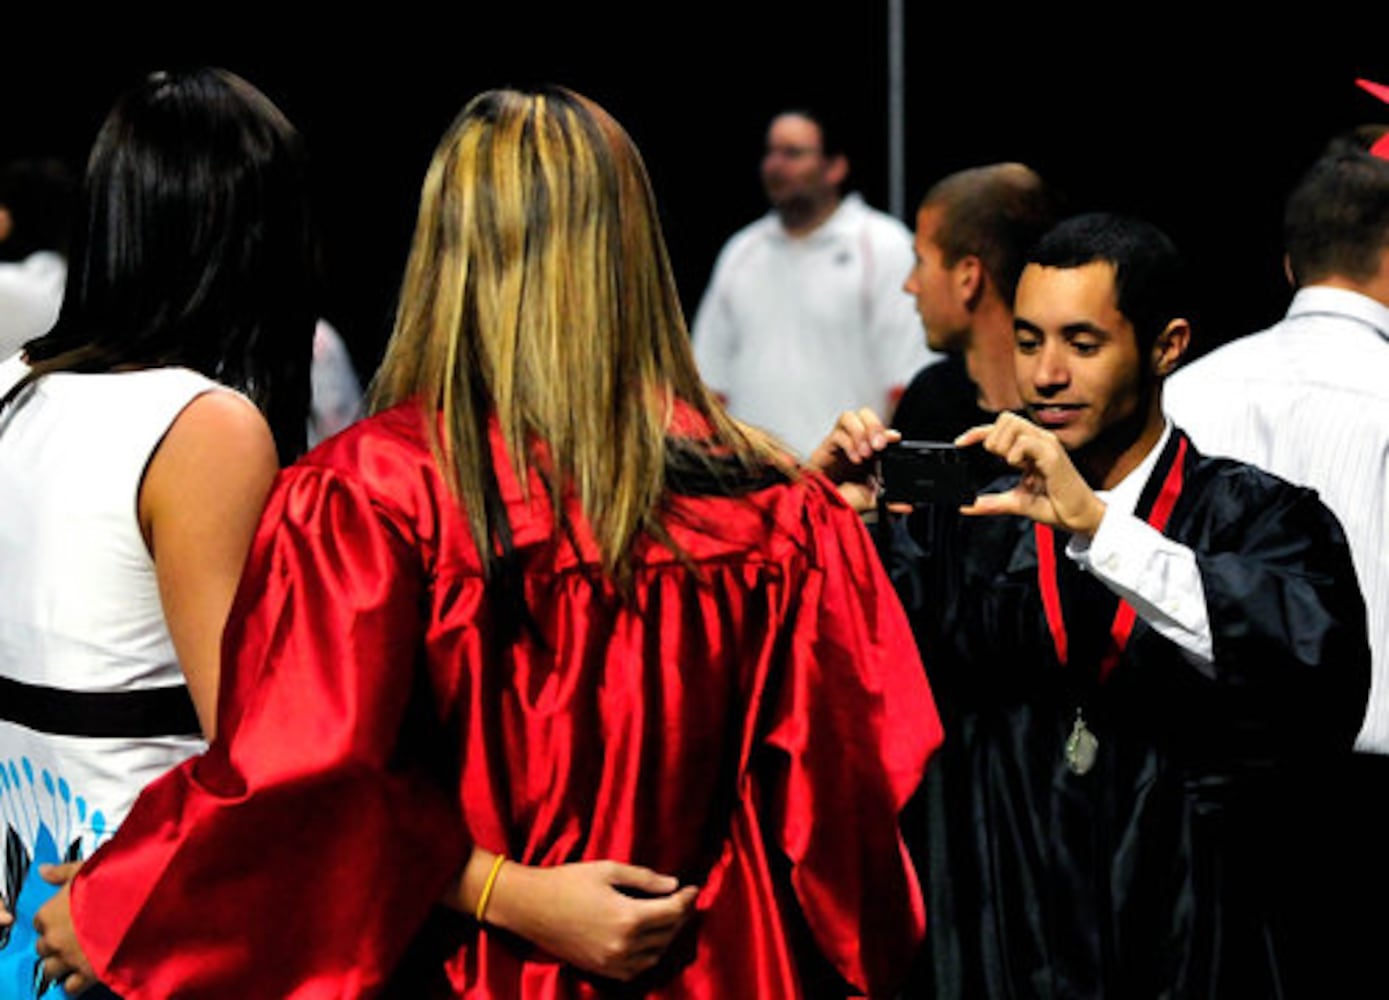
x=752, y=721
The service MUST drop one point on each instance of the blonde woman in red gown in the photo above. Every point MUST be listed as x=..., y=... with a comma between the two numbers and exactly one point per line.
x=549, y=604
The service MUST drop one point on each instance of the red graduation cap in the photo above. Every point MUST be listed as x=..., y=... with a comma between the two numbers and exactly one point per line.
x=1381, y=146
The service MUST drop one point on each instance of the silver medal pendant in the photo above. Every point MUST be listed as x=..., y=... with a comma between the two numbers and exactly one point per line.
x=1081, y=747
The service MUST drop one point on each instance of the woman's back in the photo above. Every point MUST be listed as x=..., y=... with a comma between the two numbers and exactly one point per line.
x=756, y=702
x=92, y=699
x=672, y=650
x=79, y=577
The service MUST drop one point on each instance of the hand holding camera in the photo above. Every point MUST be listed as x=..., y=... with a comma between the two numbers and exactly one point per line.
x=870, y=462
x=848, y=456
x=941, y=473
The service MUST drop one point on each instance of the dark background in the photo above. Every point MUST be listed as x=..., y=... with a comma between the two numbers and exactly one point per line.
x=1139, y=109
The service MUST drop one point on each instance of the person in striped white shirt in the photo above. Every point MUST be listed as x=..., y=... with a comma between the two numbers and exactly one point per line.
x=1308, y=399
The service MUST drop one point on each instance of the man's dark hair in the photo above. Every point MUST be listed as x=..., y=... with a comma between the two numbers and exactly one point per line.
x=1360, y=139
x=996, y=213
x=834, y=137
x=39, y=195
x=195, y=247
x=1150, y=281
x=1337, y=218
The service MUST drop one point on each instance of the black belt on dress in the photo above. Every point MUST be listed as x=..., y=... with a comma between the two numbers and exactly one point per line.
x=140, y=714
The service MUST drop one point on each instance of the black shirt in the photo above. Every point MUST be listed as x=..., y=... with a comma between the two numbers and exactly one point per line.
x=940, y=403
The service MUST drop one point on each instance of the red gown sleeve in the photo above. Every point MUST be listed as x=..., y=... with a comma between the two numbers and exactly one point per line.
x=854, y=723
x=297, y=857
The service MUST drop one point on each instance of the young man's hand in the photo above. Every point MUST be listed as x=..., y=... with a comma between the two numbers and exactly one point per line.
x=847, y=455
x=1051, y=490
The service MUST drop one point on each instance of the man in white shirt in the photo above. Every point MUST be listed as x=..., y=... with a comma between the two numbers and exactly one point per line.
x=36, y=198
x=804, y=317
x=1146, y=661
x=1308, y=398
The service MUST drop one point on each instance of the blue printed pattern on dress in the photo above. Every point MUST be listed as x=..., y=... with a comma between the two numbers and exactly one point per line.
x=45, y=824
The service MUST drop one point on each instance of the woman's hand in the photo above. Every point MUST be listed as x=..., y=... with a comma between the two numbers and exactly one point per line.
x=63, y=959
x=580, y=913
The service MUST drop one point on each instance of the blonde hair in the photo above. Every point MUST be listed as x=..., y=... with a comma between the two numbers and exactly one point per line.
x=538, y=288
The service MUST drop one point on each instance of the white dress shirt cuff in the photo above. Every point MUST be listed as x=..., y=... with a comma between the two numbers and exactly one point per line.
x=1158, y=576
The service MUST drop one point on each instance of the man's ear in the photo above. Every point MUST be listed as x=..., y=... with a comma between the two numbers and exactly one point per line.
x=1169, y=347
x=969, y=278
x=6, y=223
x=837, y=170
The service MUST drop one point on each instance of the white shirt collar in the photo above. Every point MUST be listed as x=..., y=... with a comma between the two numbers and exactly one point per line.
x=1323, y=299
x=839, y=223
x=1124, y=496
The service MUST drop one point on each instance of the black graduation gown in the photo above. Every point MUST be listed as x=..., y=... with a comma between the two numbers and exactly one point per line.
x=1180, y=866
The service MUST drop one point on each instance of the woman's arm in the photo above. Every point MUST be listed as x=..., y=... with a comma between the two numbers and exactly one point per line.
x=200, y=502
x=230, y=794
x=579, y=912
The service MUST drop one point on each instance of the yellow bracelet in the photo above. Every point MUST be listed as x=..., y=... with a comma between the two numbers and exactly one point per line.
x=487, y=886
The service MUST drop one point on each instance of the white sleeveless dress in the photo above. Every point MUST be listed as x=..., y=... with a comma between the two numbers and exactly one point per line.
x=92, y=701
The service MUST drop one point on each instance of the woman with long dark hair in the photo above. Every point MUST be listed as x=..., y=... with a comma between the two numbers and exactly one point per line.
x=549, y=604
x=138, y=441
